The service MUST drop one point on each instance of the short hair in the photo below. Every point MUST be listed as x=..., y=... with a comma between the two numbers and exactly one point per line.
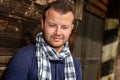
x=61, y=6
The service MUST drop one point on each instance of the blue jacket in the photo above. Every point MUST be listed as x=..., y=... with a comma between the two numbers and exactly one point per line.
x=23, y=66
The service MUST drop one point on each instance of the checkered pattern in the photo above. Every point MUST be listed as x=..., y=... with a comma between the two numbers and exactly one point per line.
x=45, y=53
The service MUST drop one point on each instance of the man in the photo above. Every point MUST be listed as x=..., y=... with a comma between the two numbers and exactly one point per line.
x=50, y=57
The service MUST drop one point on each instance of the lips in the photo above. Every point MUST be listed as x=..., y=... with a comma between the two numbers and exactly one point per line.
x=57, y=39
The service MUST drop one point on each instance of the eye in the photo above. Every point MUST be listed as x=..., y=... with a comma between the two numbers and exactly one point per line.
x=51, y=24
x=65, y=27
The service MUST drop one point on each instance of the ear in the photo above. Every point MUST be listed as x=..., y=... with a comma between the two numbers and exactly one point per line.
x=41, y=23
x=72, y=26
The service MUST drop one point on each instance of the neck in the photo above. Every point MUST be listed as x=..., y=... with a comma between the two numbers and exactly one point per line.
x=58, y=49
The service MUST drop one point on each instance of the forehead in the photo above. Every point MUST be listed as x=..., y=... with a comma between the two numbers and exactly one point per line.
x=51, y=13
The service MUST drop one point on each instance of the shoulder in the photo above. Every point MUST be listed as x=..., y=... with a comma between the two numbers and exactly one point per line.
x=76, y=61
x=27, y=48
x=21, y=63
x=25, y=53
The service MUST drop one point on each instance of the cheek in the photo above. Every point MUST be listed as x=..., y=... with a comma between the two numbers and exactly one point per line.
x=48, y=33
x=67, y=34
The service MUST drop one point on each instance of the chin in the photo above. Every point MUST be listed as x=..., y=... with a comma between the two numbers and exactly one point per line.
x=56, y=45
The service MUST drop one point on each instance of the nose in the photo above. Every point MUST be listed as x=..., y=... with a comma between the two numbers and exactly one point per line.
x=58, y=30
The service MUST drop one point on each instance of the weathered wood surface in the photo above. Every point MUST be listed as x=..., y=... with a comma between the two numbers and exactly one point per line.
x=21, y=8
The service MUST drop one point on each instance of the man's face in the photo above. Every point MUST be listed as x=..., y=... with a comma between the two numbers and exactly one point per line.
x=57, y=28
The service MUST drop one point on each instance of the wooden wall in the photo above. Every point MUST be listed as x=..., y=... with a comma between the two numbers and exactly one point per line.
x=89, y=38
x=88, y=45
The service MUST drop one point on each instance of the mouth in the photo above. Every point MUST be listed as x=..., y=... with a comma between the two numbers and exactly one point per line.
x=57, y=39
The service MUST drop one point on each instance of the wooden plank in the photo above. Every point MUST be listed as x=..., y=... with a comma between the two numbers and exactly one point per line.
x=78, y=6
x=105, y=1
x=5, y=49
x=42, y=2
x=2, y=70
x=4, y=60
x=20, y=9
x=6, y=53
x=95, y=11
x=79, y=41
x=15, y=42
x=99, y=4
x=91, y=69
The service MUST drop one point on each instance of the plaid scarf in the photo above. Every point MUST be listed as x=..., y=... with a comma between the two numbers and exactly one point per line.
x=45, y=53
